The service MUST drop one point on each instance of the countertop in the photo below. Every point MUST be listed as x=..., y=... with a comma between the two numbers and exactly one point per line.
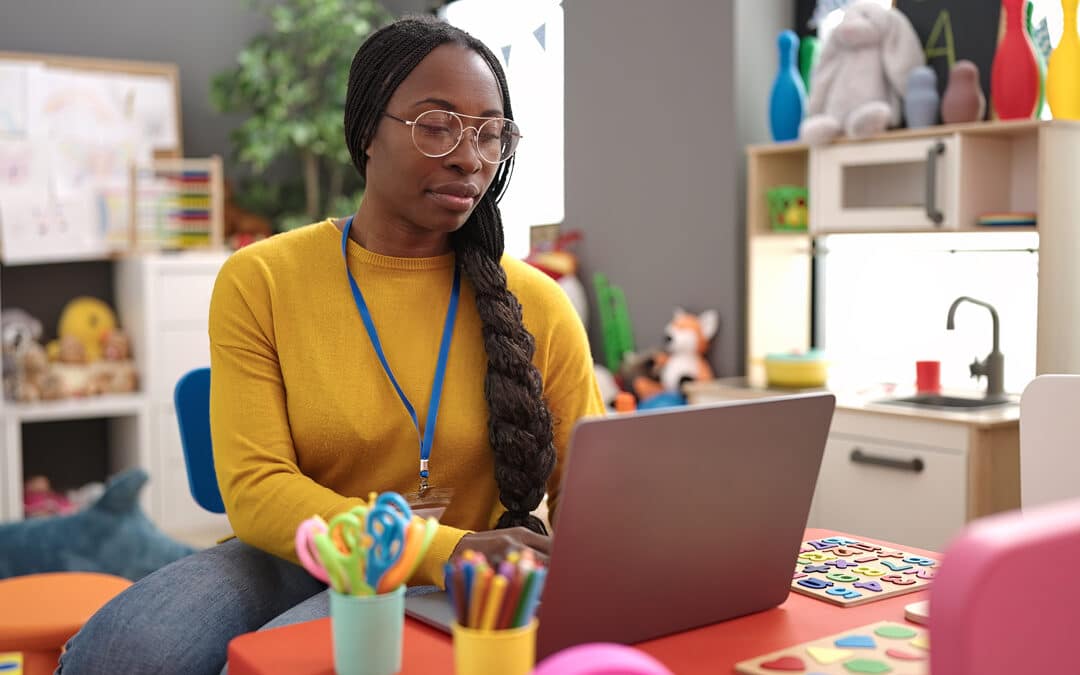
x=866, y=400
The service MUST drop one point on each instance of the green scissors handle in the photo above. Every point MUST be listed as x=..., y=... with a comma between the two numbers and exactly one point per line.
x=345, y=569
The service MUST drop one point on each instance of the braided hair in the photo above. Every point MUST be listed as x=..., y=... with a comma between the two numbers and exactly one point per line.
x=519, y=421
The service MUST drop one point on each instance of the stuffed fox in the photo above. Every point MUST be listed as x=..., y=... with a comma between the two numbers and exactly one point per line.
x=683, y=360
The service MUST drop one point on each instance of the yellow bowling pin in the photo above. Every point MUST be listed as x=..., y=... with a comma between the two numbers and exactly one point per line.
x=1063, y=69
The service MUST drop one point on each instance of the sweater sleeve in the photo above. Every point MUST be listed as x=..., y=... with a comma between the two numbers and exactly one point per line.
x=265, y=493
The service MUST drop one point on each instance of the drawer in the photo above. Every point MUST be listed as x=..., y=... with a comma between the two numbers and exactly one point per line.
x=899, y=429
x=185, y=297
x=907, y=494
x=177, y=351
x=910, y=184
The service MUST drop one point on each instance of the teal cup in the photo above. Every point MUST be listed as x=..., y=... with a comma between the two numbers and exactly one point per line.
x=367, y=631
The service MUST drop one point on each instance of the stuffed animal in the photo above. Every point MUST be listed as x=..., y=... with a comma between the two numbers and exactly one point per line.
x=860, y=80
x=113, y=536
x=39, y=499
x=17, y=329
x=116, y=372
x=561, y=264
x=88, y=320
x=683, y=360
x=242, y=227
x=35, y=379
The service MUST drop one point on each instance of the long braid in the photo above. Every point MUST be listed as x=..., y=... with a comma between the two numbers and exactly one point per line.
x=519, y=421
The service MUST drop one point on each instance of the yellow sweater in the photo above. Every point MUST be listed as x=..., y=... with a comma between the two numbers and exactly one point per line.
x=305, y=421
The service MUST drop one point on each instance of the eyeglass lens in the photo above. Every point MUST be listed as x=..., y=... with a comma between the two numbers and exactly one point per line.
x=437, y=133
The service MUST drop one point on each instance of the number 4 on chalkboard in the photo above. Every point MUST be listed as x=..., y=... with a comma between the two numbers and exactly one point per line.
x=942, y=31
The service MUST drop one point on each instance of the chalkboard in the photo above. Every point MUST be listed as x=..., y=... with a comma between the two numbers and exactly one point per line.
x=951, y=30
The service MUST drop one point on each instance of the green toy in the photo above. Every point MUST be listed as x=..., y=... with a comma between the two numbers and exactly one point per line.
x=1039, y=59
x=809, y=51
x=614, y=322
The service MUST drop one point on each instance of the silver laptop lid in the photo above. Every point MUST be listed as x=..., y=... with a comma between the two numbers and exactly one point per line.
x=678, y=518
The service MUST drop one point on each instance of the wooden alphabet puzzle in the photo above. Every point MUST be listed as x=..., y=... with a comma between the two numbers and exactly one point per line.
x=882, y=647
x=849, y=572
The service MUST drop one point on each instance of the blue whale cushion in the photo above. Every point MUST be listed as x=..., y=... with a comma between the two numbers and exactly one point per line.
x=111, y=536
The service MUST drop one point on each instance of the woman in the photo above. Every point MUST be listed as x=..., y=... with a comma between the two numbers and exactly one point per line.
x=324, y=342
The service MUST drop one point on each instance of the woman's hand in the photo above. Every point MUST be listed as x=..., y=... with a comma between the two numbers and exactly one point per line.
x=495, y=544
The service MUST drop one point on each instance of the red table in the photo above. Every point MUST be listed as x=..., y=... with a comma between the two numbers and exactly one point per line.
x=306, y=648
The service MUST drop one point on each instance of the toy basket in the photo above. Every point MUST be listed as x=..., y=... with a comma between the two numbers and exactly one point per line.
x=788, y=208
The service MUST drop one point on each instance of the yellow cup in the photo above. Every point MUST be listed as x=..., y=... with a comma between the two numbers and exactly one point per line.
x=483, y=652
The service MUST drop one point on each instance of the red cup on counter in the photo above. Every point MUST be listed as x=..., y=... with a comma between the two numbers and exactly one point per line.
x=928, y=376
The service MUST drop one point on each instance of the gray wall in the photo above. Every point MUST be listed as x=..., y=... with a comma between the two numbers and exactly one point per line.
x=202, y=36
x=757, y=24
x=661, y=97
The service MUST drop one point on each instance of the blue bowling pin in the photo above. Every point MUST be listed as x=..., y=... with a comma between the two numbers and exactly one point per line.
x=787, y=102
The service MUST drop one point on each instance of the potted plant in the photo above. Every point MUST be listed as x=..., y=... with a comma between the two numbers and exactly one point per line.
x=290, y=82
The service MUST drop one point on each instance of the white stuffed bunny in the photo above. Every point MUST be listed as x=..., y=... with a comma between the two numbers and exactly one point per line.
x=858, y=84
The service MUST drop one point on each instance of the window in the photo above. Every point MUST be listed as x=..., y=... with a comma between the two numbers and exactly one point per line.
x=527, y=36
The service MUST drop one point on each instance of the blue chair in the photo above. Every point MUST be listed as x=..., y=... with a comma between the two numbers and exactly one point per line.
x=191, y=398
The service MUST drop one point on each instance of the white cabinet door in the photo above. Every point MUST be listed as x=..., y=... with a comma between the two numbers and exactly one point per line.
x=910, y=494
x=179, y=513
x=895, y=185
x=178, y=351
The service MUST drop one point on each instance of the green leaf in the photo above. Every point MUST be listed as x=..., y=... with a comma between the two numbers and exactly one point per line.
x=291, y=82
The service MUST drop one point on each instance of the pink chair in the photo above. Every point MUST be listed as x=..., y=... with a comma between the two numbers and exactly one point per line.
x=1005, y=600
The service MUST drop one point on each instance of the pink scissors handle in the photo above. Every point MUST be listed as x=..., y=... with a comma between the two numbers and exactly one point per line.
x=305, y=547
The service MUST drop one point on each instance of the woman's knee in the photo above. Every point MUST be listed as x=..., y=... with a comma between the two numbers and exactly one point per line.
x=123, y=637
x=181, y=617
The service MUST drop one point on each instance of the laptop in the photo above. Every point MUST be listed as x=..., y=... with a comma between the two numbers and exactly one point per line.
x=674, y=519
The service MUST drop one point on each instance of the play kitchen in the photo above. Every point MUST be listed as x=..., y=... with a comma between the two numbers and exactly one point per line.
x=902, y=261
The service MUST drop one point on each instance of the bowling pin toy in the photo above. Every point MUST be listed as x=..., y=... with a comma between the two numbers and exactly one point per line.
x=787, y=102
x=1063, y=71
x=1014, y=74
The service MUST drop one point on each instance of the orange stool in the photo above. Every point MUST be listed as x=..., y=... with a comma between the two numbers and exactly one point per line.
x=42, y=611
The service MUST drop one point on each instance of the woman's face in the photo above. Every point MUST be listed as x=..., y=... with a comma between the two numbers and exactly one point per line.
x=435, y=194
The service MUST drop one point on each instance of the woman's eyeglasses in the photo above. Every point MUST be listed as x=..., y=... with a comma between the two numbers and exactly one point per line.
x=437, y=133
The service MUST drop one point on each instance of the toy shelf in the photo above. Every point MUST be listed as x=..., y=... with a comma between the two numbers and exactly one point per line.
x=107, y=405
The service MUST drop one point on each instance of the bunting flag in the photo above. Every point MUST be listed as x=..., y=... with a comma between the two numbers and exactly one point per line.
x=541, y=37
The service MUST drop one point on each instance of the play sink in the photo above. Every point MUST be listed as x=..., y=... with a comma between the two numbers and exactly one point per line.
x=947, y=402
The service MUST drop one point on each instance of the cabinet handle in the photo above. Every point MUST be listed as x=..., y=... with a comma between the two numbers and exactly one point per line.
x=935, y=214
x=915, y=465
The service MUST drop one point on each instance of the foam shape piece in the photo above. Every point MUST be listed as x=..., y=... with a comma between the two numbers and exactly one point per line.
x=825, y=656
x=789, y=663
x=856, y=641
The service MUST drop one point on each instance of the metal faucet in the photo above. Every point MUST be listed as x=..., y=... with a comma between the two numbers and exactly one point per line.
x=993, y=366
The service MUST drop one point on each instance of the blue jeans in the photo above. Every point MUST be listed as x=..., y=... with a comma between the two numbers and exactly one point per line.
x=180, y=618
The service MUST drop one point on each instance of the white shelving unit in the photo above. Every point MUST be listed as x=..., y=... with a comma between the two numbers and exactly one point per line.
x=110, y=405
x=163, y=302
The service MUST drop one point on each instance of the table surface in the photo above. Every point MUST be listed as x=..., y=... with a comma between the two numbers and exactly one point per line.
x=306, y=647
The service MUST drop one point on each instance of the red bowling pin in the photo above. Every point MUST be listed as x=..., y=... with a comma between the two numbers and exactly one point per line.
x=1014, y=75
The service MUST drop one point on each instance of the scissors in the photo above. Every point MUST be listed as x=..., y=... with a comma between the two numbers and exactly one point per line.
x=388, y=522
x=306, y=549
x=417, y=540
x=343, y=549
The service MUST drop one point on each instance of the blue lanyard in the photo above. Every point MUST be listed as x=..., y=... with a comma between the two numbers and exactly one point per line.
x=428, y=435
